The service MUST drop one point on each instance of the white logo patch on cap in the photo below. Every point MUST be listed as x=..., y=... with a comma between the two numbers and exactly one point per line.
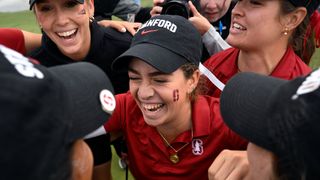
x=310, y=84
x=108, y=101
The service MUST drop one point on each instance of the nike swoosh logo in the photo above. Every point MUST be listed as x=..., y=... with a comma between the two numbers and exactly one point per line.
x=144, y=32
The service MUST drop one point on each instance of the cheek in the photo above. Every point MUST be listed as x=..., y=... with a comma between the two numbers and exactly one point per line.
x=133, y=88
x=42, y=19
x=175, y=95
x=203, y=3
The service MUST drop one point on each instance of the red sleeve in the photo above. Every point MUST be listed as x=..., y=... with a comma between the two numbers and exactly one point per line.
x=13, y=38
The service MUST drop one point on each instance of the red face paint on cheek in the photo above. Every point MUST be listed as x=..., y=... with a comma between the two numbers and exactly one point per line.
x=175, y=95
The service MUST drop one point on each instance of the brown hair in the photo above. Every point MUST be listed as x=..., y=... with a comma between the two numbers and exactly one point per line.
x=304, y=48
x=188, y=70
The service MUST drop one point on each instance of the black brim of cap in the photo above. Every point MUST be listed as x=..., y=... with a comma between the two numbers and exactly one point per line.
x=158, y=57
x=31, y=3
x=244, y=103
x=83, y=83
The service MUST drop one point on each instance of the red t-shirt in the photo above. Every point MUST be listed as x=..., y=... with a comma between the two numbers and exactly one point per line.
x=149, y=156
x=13, y=38
x=224, y=65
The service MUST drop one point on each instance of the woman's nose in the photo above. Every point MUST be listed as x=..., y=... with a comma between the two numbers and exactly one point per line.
x=145, y=91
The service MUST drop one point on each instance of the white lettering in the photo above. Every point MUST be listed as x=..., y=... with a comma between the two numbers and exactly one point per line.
x=149, y=23
x=21, y=63
x=160, y=23
x=167, y=25
x=173, y=28
x=156, y=21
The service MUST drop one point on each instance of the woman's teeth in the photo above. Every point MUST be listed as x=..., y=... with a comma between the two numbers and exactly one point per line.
x=238, y=26
x=67, y=34
x=152, y=107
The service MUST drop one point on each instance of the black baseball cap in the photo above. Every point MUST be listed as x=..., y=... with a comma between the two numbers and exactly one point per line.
x=44, y=110
x=32, y=2
x=279, y=115
x=310, y=5
x=165, y=42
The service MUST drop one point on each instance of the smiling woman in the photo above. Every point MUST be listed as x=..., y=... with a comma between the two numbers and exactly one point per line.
x=168, y=128
x=72, y=39
x=266, y=37
x=70, y=35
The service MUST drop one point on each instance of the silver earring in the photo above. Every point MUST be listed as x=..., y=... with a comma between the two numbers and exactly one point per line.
x=91, y=19
x=286, y=30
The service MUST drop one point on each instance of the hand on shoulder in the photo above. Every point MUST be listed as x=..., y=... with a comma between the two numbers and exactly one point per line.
x=121, y=26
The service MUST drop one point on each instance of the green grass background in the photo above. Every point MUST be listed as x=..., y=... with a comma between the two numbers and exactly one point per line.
x=25, y=20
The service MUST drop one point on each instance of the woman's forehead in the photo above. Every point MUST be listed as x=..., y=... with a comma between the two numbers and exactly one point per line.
x=139, y=66
x=48, y=1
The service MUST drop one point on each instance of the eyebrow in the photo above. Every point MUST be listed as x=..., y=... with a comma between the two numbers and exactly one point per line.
x=155, y=73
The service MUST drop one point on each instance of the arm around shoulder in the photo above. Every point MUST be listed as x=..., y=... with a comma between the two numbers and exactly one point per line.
x=213, y=42
x=31, y=40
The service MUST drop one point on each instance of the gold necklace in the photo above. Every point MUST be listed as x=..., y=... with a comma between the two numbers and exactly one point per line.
x=174, y=158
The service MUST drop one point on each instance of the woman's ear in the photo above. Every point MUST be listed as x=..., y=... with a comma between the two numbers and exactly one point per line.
x=295, y=18
x=90, y=7
x=193, y=81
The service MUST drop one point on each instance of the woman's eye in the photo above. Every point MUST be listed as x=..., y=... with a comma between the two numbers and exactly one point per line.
x=133, y=78
x=255, y=2
x=71, y=4
x=160, y=80
x=45, y=8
